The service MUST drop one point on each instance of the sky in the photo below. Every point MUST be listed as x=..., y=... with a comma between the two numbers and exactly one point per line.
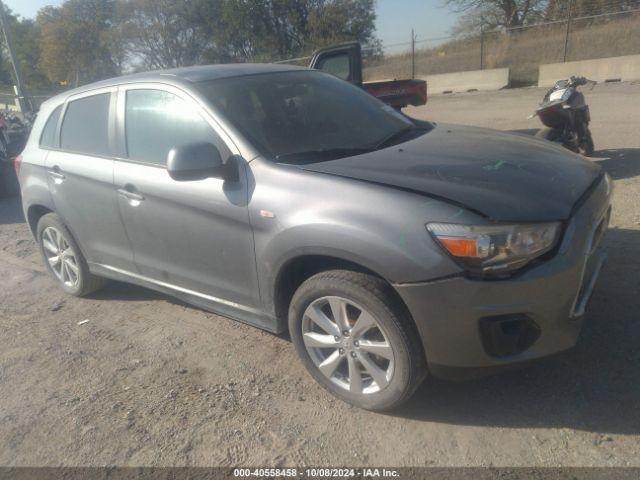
x=428, y=18
x=395, y=19
x=29, y=8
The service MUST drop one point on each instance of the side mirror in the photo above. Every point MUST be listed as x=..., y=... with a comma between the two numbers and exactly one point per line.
x=195, y=161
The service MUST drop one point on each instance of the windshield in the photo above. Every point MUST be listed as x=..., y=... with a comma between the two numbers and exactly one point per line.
x=290, y=114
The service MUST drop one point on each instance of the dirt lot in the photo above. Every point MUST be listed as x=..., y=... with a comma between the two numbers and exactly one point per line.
x=150, y=381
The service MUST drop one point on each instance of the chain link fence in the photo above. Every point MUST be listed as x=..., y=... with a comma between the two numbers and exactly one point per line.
x=581, y=35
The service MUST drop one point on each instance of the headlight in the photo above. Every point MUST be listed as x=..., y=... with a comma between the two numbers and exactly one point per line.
x=495, y=250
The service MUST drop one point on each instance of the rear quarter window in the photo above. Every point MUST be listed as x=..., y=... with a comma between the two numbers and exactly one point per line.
x=85, y=125
x=48, y=136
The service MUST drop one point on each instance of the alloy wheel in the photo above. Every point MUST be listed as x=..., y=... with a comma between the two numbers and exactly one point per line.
x=60, y=256
x=347, y=345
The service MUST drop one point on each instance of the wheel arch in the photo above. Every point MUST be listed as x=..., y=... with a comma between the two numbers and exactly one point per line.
x=34, y=214
x=36, y=211
x=297, y=269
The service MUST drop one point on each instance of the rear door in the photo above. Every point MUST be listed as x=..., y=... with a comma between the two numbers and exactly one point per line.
x=192, y=236
x=80, y=176
x=343, y=61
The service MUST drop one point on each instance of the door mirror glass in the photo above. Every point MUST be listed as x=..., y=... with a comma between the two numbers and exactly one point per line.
x=195, y=161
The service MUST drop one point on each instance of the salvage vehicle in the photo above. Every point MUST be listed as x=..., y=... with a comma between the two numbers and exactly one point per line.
x=345, y=61
x=389, y=248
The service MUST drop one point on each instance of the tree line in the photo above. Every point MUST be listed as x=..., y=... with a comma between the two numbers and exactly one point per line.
x=86, y=40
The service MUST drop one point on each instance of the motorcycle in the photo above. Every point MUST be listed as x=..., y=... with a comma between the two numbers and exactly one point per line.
x=4, y=139
x=566, y=115
x=6, y=171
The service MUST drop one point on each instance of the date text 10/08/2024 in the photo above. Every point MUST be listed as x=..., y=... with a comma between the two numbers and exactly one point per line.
x=317, y=472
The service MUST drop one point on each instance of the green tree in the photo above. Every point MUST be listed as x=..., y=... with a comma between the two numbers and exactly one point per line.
x=342, y=20
x=163, y=33
x=240, y=30
x=255, y=30
x=25, y=34
x=83, y=40
x=77, y=41
x=26, y=39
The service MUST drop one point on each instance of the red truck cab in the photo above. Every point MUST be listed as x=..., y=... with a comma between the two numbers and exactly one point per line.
x=345, y=62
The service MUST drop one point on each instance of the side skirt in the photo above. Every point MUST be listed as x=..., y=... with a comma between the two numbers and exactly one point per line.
x=234, y=311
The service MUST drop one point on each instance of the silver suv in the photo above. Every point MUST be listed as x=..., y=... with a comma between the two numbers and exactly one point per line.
x=291, y=200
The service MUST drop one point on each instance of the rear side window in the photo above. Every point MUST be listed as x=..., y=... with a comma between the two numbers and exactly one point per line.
x=156, y=121
x=48, y=137
x=85, y=125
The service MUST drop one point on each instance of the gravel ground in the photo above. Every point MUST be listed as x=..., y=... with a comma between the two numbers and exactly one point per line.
x=150, y=381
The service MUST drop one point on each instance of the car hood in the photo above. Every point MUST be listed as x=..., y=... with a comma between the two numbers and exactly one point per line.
x=503, y=176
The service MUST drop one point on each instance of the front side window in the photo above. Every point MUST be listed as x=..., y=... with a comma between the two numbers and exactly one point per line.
x=157, y=121
x=289, y=113
x=85, y=125
x=48, y=137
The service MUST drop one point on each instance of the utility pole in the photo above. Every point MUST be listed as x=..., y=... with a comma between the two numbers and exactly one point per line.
x=481, y=42
x=413, y=55
x=20, y=92
x=566, y=35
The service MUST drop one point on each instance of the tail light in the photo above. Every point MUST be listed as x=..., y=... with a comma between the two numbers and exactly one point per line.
x=422, y=92
x=16, y=164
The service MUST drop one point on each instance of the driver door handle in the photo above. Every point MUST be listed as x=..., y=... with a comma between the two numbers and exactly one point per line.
x=131, y=195
x=57, y=174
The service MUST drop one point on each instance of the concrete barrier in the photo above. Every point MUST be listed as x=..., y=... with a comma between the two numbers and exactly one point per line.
x=493, y=79
x=601, y=69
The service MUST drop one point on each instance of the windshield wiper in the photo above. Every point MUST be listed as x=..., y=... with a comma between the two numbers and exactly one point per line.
x=394, y=137
x=311, y=156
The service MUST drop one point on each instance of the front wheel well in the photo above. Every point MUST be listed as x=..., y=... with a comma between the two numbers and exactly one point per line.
x=299, y=269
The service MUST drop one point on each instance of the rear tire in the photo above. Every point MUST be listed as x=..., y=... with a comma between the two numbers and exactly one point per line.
x=63, y=258
x=376, y=368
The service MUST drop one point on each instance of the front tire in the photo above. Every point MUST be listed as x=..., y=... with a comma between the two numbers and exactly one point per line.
x=63, y=258
x=356, y=339
x=587, y=147
x=551, y=134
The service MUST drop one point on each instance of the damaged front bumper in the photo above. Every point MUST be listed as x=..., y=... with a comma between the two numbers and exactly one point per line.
x=470, y=327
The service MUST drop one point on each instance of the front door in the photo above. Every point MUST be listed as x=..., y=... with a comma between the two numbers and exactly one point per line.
x=192, y=236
